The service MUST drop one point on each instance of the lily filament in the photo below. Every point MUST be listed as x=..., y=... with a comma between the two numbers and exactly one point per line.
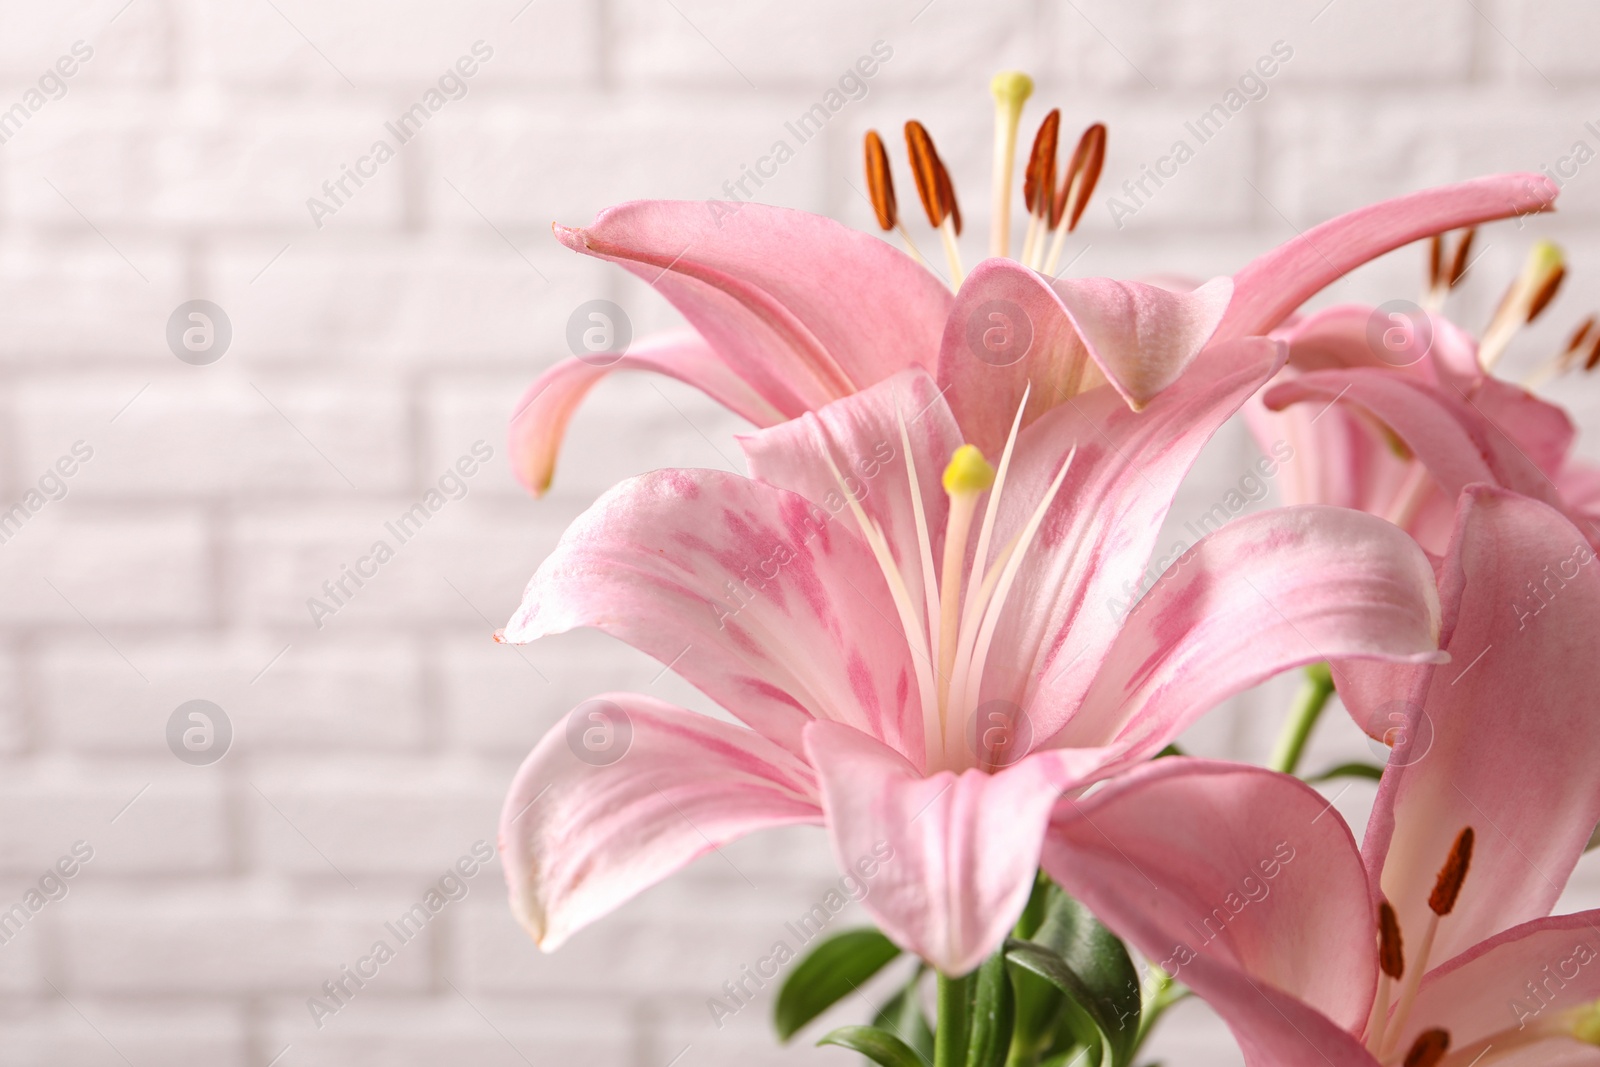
x=1053, y=210
x=950, y=634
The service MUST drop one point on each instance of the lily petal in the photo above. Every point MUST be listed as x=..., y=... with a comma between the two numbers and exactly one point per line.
x=958, y=852
x=861, y=435
x=1503, y=739
x=578, y=839
x=1486, y=989
x=766, y=602
x=1237, y=882
x=803, y=308
x=1339, y=338
x=1541, y=431
x=1100, y=533
x=540, y=421
x=1448, y=434
x=1265, y=593
x=1328, y=454
x=1273, y=285
x=1080, y=333
x=1579, y=483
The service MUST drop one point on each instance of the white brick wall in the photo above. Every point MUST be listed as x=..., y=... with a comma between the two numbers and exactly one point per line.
x=370, y=352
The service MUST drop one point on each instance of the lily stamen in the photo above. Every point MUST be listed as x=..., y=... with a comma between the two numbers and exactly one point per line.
x=1580, y=1023
x=1428, y=1049
x=1039, y=183
x=966, y=479
x=1011, y=90
x=1442, y=278
x=910, y=623
x=1574, y=353
x=1009, y=564
x=1527, y=296
x=1441, y=902
x=880, y=187
x=937, y=193
x=950, y=634
x=1083, y=173
x=1391, y=967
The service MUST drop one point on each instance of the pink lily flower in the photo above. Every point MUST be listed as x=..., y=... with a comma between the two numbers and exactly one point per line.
x=792, y=311
x=1435, y=935
x=1400, y=430
x=923, y=665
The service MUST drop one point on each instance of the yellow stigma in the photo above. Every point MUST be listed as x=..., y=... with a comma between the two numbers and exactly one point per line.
x=1543, y=257
x=1011, y=87
x=968, y=472
x=1584, y=1022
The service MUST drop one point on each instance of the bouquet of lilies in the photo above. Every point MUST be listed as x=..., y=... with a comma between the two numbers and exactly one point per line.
x=936, y=610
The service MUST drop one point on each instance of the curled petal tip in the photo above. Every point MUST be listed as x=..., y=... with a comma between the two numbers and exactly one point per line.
x=571, y=236
x=531, y=918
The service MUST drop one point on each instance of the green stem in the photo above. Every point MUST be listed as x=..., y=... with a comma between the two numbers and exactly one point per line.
x=955, y=1011
x=1308, y=705
x=1163, y=994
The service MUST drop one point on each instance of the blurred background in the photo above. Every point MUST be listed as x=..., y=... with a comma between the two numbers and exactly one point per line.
x=354, y=348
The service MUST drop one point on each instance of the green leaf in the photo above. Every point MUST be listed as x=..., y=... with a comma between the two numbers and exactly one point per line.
x=902, y=1016
x=1087, y=962
x=1033, y=915
x=876, y=1045
x=1349, y=770
x=829, y=973
x=1170, y=750
x=990, y=1038
x=1046, y=1023
x=1075, y=1057
x=1038, y=1013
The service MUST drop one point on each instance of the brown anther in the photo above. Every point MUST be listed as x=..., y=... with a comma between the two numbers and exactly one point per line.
x=1083, y=173
x=1445, y=891
x=1594, y=355
x=1391, y=955
x=1428, y=1049
x=1576, y=340
x=1041, y=172
x=947, y=193
x=1546, y=293
x=933, y=183
x=880, y=185
x=1459, y=262
x=1574, y=353
x=1435, y=259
